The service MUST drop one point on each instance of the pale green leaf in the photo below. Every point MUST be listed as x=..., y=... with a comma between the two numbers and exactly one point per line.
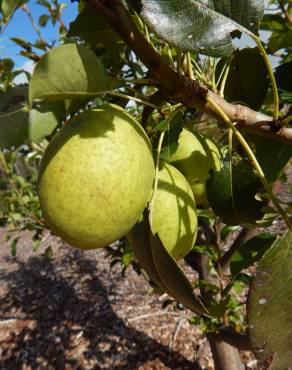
x=44, y=118
x=68, y=72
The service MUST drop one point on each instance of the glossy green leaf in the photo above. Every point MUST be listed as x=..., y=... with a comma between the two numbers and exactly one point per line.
x=234, y=200
x=202, y=26
x=250, y=252
x=69, y=71
x=270, y=306
x=244, y=84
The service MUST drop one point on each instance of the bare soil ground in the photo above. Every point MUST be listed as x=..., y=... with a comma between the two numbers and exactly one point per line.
x=74, y=312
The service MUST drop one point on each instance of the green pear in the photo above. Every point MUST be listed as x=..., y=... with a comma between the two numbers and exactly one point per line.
x=173, y=212
x=195, y=156
x=96, y=177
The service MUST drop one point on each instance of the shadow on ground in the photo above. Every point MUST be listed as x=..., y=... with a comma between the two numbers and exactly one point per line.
x=68, y=325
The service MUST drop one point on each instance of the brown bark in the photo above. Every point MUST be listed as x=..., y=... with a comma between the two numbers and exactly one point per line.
x=226, y=356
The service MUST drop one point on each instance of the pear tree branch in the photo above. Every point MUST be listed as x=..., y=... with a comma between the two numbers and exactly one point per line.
x=182, y=89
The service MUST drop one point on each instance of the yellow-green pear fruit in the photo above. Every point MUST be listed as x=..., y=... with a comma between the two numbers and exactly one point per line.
x=195, y=156
x=96, y=177
x=173, y=212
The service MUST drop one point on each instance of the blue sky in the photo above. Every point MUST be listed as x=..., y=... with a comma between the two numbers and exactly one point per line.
x=20, y=26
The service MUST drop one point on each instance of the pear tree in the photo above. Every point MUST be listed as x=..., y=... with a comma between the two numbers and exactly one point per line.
x=157, y=128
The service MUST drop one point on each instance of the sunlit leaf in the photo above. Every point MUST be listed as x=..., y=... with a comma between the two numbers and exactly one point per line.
x=69, y=71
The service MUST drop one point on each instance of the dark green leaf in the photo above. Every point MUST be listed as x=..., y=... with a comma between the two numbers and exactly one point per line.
x=44, y=3
x=272, y=155
x=202, y=26
x=13, y=245
x=22, y=43
x=283, y=76
x=234, y=201
x=170, y=142
x=173, y=278
x=68, y=71
x=250, y=252
x=92, y=28
x=270, y=306
x=43, y=20
x=140, y=239
x=245, y=84
x=162, y=268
